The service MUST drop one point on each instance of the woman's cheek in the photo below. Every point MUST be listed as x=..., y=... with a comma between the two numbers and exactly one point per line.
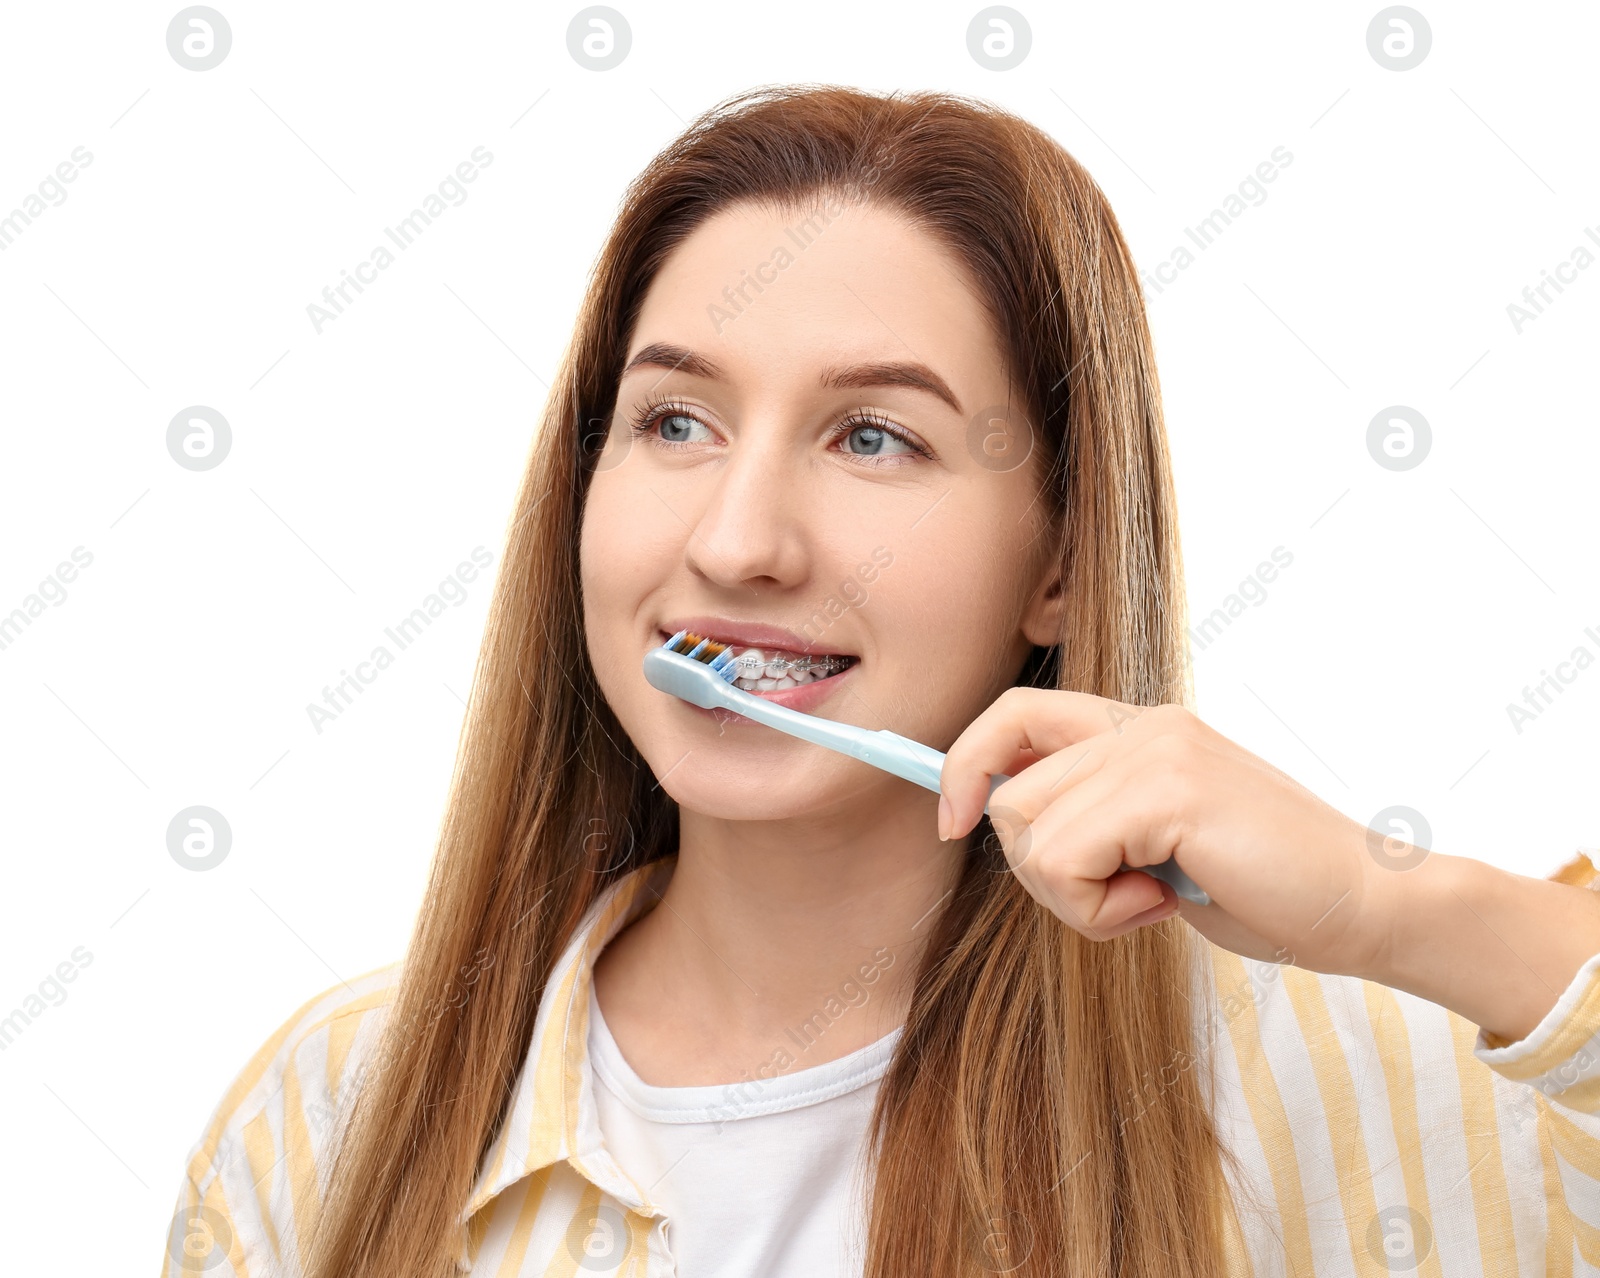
x=939, y=614
x=602, y=565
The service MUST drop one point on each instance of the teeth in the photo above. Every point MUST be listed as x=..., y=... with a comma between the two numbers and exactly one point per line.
x=755, y=664
x=761, y=672
x=777, y=669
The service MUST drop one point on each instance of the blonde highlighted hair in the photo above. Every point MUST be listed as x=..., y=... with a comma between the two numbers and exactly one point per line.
x=1020, y=1097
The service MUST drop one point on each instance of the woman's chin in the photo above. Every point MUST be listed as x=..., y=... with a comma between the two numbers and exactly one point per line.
x=749, y=791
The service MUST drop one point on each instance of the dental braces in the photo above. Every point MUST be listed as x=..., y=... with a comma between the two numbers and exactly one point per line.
x=804, y=662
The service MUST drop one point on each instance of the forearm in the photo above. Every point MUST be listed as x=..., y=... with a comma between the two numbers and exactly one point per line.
x=1494, y=947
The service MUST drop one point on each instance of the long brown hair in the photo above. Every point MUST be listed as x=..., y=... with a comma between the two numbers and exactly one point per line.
x=1021, y=1126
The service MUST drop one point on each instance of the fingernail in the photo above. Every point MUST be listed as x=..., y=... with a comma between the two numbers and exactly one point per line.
x=944, y=819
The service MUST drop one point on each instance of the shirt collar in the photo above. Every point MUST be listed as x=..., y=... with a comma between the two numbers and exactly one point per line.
x=551, y=1115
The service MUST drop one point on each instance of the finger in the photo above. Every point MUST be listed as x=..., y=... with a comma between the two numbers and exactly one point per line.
x=1103, y=909
x=1155, y=914
x=1071, y=863
x=1127, y=815
x=1021, y=720
x=1026, y=795
x=1116, y=805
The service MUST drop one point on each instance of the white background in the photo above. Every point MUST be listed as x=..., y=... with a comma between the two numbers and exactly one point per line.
x=369, y=460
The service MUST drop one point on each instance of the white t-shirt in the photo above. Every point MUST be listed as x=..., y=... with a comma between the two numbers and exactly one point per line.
x=763, y=1177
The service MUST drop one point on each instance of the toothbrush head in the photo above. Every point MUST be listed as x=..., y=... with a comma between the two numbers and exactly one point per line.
x=697, y=670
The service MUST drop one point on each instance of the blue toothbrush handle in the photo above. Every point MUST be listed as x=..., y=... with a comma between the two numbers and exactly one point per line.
x=923, y=764
x=683, y=676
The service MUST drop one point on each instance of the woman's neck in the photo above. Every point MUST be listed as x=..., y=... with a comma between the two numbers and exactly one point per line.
x=776, y=946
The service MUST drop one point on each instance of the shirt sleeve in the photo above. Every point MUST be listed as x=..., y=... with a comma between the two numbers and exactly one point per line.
x=206, y=1235
x=252, y=1185
x=1557, y=1066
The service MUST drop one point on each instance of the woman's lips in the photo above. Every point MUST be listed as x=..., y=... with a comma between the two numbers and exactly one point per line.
x=804, y=698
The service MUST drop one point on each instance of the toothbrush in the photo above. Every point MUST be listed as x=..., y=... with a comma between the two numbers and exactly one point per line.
x=701, y=672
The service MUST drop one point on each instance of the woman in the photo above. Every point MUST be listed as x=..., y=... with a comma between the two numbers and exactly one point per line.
x=866, y=383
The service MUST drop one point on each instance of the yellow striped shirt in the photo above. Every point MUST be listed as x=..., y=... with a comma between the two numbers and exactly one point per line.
x=1378, y=1132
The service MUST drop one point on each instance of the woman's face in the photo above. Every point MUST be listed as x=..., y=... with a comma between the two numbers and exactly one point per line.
x=820, y=465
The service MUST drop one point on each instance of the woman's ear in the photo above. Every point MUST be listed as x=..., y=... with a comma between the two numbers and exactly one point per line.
x=1045, y=616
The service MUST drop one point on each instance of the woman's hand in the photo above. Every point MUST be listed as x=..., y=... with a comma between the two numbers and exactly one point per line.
x=1097, y=785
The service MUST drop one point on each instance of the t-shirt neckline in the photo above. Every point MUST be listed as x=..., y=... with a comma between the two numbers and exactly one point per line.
x=792, y=1088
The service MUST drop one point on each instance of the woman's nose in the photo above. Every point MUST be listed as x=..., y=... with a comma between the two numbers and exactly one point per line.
x=751, y=522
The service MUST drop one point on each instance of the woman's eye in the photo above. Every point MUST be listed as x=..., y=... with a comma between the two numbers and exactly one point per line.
x=677, y=428
x=673, y=427
x=877, y=442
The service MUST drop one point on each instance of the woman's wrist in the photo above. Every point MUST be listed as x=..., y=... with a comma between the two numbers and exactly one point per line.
x=1494, y=947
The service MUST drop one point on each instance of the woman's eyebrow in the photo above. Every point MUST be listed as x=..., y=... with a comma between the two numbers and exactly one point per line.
x=875, y=373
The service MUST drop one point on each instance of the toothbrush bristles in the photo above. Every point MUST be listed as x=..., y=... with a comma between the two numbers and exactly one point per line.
x=686, y=641
x=719, y=656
